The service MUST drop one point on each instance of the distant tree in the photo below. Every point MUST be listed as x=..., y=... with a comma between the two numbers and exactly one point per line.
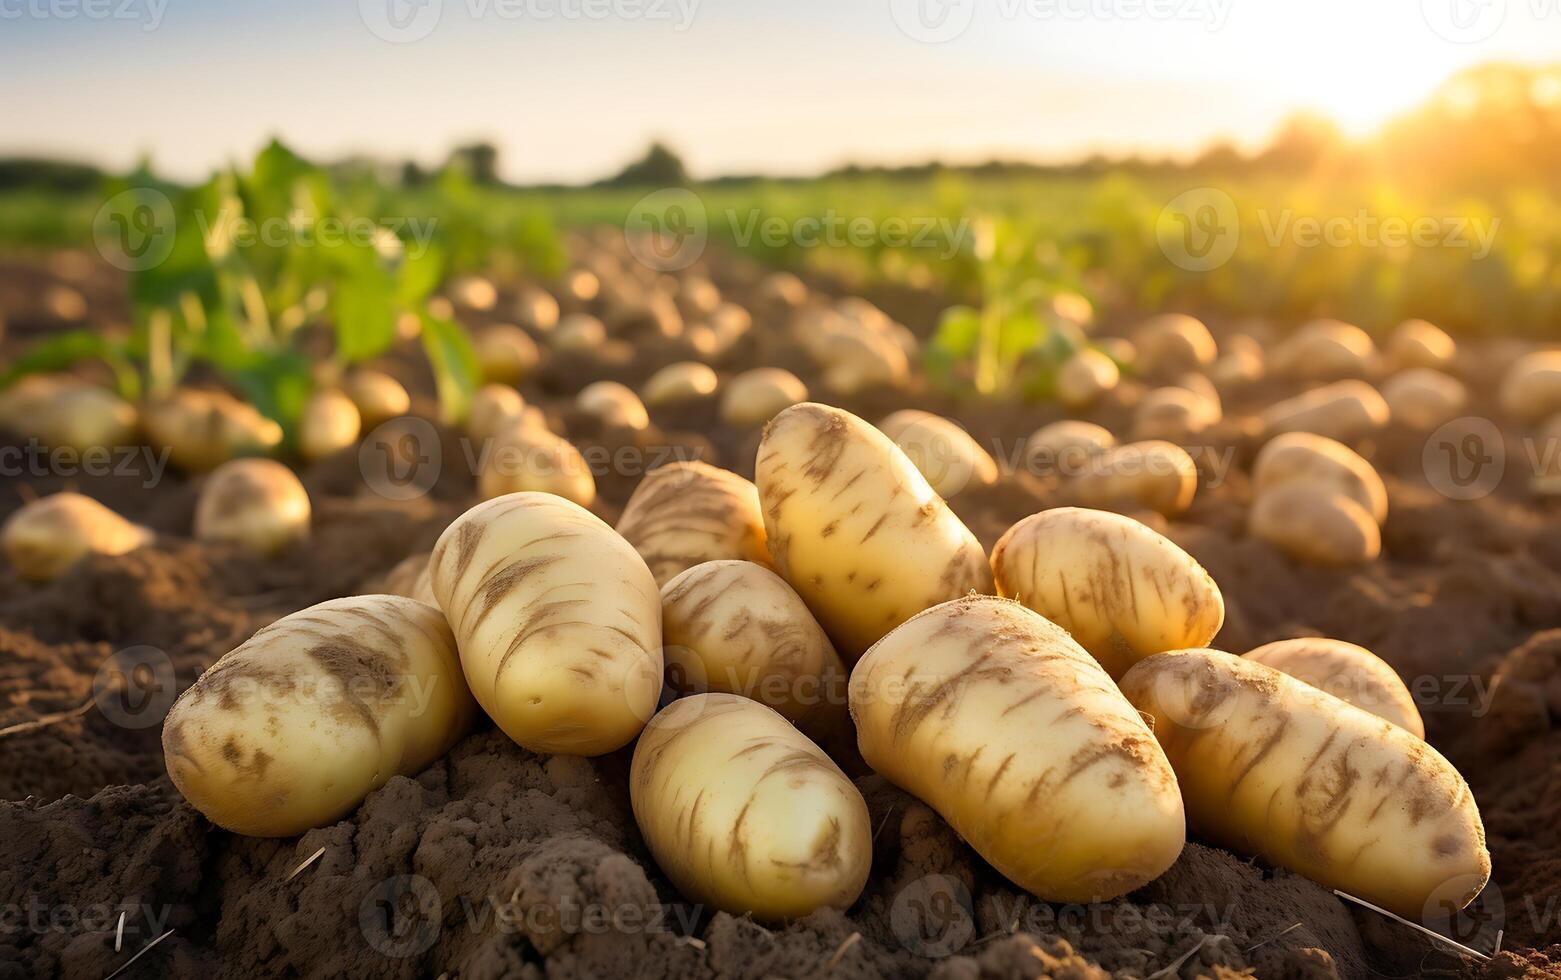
x=1303, y=142
x=659, y=167
x=413, y=175
x=40, y=174
x=479, y=160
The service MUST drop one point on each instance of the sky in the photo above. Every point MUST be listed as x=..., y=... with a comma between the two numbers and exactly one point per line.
x=569, y=90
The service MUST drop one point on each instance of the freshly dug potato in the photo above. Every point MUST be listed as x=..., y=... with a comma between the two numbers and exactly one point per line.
x=1174, y=414
x=728, y=325
x=410, y=578
x=1002, y=723
x=67, y=413
x=581, y=285
x=296, y=726
x=1345, y=411
x=1301, y=457
x=860, y=359
x=377, y=396
x=1424, y=398
x=506, y=353
x=201, y=429
x=856, y=529
x=330, y=423
x=44, y=538
x=1242, y=362
x=1123, y=591
x=1325, y=350
x=754, y=397
x=944, y=453
x=536, y=308
x=1531, y=389
x=493, y=408
x=745, y=814
x=526, y=457
x=1418, y=344
x=782, y=290
x=1154, y=475
x=257, y=504
x=613, y=404
x=580, y=333
x=1315, y=524
x=1348, y=672
x=685, y=381
x=1172, y=344
x=686, y=513
x=737, y=627
x=1066, y=447
x=557, y=620
x=1085, y=377
x=697, y=297
x=1268, y=765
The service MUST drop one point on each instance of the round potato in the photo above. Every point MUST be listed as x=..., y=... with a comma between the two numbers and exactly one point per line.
x=1171, y=344
x=1066, y=447
x=377, y=396
x=683, y=514
x=754, y=397
x=1174, y=414
x=506, y=354
x=856, y=529
x=998, y=720
x=613, y=404
x=745, y=814
x=1531, y=389
x=1348, y=672
x=1315, y=524
x=1301, y=457
x=1269, y=765
x=1325, y=350
x=296, y=726
x=526, y=457
x=493, y=407
x=1424, y=398
x=1085, y=377
x=330, y=424
x=557, y=620
x=201, y=429
x=257, y=504
x=1123, y=591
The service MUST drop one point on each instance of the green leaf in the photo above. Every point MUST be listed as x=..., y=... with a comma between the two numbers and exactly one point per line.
x=420, y=274
x=364, y=310
x=454, y=361
x=66, y=349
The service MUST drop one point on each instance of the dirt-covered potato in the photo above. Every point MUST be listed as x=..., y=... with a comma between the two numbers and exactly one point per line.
x=1350, y=673
x=1172, y=344
x=1085, y=377
x=67, y=413
x=1424, y=398
x=1269, y=765
x=579, y=333
x=754, y=397
x=1345, y=411
x=862, y=358
x=44, y=538
x=1301, y=457
x=506, y=354
x=1122, y=590
x=330, y=424
x=257, y=504
x=613, y=404
x=377, y=396
x=201, y=429
x=1418, y=344
x=745, y=814
x=557, y=620
x=493, y=408
x=1066, y=447
x=1002, y=723
x=1174, y=414
x=685, y=381
x=1315, y=524
x=856, y=529
x=1531, y=390
x=944, y=453
x=1154, y=475
x=296, y=726
x=686, y=513
x=410, y=578
x=737, y=627
x=1325, y=350
x=526, y=457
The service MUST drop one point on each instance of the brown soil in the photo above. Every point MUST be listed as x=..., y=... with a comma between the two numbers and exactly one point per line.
x=499, y=863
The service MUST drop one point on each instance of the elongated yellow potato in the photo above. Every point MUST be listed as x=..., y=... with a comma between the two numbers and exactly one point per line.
x=685, y=381
x=744, y=813
x=1418, y=344
x=997, y=719
x=1424, y=398
x=1348, y=672
x=1325, y=350
x=1531, y=389
x=44, y=538
x=1123, y=591
x=1085, y=377
x=1066, y=447
x=944, y=453
x=1172, y=343
x=613, y=404
x=1156, y=475
x=1315, y=524
x=257, y=504
x=754, y=397
x=296, y=726
x=1271, y=766
x=855, y=528
x=683, y=514
x=1344, y=411
x=737, y=627
x=557, y=619
x=201, y=429
x=1302, y=457
x=64, y=412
